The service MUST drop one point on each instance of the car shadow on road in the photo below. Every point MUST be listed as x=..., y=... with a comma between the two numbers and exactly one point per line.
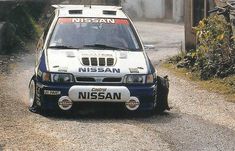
x=113, y=117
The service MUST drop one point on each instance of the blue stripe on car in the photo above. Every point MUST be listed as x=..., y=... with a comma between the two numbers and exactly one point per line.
x=42, y=65
x=151, y=69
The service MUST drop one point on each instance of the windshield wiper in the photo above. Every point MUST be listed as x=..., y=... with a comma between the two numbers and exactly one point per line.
x=62, y=47
x=103, y=47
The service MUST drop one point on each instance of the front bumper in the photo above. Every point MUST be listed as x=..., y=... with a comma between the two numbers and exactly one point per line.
x=145, y=94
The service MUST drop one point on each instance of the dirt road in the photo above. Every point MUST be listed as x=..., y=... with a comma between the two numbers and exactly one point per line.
x=199, y=120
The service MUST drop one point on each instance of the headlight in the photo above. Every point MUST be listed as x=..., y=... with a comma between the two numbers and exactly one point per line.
x=135, y=79
x=63, y=78
x=58, y=77
x=139, y=79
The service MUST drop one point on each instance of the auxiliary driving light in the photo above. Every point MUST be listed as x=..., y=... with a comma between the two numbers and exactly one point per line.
x=65, y=103
x=133, y=104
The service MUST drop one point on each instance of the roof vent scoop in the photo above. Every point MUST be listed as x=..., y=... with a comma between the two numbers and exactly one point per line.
x=109, y=12
x=75, y=11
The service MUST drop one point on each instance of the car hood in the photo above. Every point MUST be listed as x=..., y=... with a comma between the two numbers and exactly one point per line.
x=71, y=61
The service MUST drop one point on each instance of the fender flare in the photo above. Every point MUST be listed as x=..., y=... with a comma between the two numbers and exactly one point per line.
x=33, y=78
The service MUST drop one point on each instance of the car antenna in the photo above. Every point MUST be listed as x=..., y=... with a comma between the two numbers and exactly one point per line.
x=90, y=3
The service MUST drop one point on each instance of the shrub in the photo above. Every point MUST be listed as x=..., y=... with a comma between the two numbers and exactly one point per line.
x=10, y=41
x=24, y=23
x=21, y=26
x=215, y=53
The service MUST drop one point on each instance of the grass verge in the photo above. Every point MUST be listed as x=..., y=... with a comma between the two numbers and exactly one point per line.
x=225, y=86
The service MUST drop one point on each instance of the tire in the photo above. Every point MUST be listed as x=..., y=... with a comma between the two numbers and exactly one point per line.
x=32, y=105
x=162, y=95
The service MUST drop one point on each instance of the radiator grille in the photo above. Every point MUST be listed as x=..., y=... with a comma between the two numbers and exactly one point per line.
x=98, y=79
x=85, y=79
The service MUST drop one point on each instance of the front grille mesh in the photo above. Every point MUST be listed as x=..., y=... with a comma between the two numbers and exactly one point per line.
x=85, y=79
x=98, y=79
x=97, y=61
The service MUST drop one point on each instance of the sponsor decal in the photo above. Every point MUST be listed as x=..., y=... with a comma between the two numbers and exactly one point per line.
x=39, y=73
x=101, y=70
x=100, y=94
x=92, y=20
x=96, y=55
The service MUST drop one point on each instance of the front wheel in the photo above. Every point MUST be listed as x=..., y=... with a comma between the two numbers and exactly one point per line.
x=162, y=94
x=32, y=105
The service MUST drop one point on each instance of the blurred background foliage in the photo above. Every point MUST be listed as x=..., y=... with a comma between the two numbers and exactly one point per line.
x=215, y=52
x=20, y=25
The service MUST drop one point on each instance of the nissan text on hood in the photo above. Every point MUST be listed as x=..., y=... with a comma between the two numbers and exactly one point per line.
x=93, y=54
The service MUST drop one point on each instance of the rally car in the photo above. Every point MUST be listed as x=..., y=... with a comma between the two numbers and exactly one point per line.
x=94, y=54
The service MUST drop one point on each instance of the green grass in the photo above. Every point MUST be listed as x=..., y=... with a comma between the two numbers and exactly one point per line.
x=225, y=86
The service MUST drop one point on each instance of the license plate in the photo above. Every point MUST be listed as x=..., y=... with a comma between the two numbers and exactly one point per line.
x=99, y=94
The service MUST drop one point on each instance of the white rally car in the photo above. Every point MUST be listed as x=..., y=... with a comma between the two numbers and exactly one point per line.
x=94, y=54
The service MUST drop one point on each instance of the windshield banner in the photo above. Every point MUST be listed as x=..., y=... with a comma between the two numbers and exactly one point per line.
x=92, y=20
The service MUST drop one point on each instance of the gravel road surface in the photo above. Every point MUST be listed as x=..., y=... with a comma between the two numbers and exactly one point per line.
x=199, y=121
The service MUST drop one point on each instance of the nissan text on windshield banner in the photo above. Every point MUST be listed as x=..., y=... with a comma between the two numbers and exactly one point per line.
x=92, y=20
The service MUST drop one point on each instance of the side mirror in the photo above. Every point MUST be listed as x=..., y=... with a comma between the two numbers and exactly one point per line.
x=149, y=47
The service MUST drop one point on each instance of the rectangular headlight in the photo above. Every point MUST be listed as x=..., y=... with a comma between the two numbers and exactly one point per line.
x=62, y=78
x=58, y=77
x=135, y=79
x=139, y=79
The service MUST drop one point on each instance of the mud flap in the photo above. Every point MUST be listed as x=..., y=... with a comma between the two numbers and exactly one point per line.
x=162, y=94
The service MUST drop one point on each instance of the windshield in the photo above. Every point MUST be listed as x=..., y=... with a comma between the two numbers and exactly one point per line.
x=81, y=33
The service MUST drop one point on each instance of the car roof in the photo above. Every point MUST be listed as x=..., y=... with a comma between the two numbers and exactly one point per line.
x=98, y=11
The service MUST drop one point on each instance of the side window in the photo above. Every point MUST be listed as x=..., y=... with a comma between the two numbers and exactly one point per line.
x=48, y=26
